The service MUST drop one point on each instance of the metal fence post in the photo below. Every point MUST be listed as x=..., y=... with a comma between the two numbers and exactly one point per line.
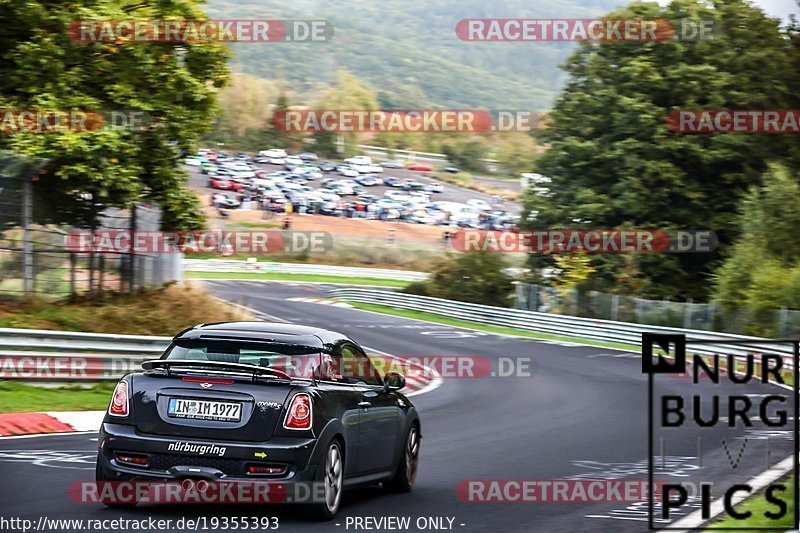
x=27, y=240
x=132, y=256
x=687, y=313
x=711, y=310
x=615, y=307
x=783, y=317
x=519, y=296
x=72, y=267
x=101, y=266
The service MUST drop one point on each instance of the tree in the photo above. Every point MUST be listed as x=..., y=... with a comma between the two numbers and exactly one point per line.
x=347, y=94
x=244, y=110
x=572, y=271
x=763, y=268
x=615, y=164
x=175, y=83
x=517, y=151
x=476, y=277
x=467, y=153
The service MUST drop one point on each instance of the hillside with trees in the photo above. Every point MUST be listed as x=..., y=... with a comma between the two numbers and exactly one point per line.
x=408, y=50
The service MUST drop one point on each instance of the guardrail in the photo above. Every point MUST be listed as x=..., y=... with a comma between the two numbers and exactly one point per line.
x=44, y=355
x=565, y=326
x=59, y=356
x=414, y=155
x=231, y=265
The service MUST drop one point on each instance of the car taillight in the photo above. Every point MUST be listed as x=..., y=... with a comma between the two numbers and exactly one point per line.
x=136, y=460
x=119, y=401
x=255, y=469
x=299, y=414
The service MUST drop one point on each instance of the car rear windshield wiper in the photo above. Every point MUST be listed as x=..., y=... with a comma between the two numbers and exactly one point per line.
x=254, y=371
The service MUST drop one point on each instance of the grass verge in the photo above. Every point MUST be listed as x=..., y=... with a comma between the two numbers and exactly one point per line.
x=162, y=311
x=464, y=180
x=758, y=505
x=298, y=277
x=20, y=398
x=439, y=319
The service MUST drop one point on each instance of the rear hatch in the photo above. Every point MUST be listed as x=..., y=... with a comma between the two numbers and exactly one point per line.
x=230, y=408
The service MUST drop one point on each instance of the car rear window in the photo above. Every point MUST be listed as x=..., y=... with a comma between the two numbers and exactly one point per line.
x=297, y=361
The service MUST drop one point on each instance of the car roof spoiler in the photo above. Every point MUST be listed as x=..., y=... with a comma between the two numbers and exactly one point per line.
x=167, y=365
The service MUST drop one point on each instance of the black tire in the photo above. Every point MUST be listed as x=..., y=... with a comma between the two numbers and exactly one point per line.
x=330, y=472
x=101, y=477
x=406, y=475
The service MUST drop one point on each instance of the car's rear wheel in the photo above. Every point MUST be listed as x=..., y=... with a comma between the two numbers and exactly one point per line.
x=403, y=480
x=330, y=473
x=101, y=478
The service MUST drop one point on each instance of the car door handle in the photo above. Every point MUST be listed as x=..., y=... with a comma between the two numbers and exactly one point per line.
x=364, y=405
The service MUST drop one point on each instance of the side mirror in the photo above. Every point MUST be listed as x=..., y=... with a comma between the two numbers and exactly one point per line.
x=393, y=381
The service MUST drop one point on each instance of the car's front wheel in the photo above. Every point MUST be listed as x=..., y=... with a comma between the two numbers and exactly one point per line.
x=330, y=473
x=403, y=480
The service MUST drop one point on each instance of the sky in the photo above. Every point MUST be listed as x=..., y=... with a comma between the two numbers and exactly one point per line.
x=779, y=8
x=774, y=8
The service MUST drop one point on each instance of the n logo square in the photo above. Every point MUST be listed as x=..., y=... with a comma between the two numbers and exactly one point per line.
x=674, y=345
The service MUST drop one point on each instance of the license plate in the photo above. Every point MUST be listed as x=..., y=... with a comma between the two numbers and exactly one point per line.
x=204, y=410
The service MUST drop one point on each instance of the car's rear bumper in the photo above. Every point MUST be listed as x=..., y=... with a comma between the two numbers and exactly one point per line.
x=179, y=457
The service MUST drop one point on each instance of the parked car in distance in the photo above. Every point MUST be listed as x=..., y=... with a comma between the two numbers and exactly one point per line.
x=477, y=203
x=348, y=172
x=307, y=156
x=435, y=187
x=228, y=201
x=219, y=182
x=393, y=164
x=359, y=160
x=411, y=185
x=273, y=153
x=208, y=168
x=369, y=180
x=392, y=181
x=421, y=167
x=451, y=170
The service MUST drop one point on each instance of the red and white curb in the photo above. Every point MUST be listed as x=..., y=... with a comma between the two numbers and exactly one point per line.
x=324, y=301
x=14, y=424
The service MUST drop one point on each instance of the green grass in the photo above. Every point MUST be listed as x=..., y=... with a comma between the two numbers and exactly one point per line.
x=758, y=505
x=16, y=397
x=439, y=319
x=298, y=277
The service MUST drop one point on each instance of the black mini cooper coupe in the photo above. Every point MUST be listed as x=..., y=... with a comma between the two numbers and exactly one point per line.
x=261, y=403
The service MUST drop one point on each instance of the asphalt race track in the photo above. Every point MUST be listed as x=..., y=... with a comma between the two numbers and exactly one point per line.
x=582, y=413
